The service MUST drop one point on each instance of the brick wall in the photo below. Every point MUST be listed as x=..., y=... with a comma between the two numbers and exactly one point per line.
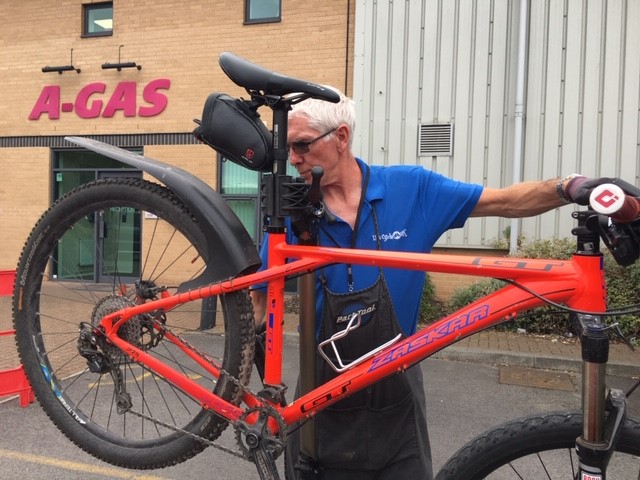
x=445, y=283
x=171, y=39
x=24, y=195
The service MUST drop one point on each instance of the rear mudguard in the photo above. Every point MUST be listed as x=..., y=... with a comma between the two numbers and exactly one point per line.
x=231, y=251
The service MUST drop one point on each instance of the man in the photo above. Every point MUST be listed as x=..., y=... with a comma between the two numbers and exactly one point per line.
x=381, y=433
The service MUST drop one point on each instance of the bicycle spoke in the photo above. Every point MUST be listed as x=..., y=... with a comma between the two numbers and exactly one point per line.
x=543, y=466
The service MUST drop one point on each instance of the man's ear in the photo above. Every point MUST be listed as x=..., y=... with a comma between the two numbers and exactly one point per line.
x=343, y=134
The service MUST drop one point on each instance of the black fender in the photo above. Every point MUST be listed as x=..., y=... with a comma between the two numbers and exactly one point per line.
x=230, y=248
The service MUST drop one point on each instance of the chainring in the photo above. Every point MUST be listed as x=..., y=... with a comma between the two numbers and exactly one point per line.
x=259, y=431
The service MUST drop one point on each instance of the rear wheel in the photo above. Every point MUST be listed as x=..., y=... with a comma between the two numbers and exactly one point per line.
x=538, y=448
x=105, y=403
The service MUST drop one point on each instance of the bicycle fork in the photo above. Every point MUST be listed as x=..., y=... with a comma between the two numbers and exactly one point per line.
x=603, y=413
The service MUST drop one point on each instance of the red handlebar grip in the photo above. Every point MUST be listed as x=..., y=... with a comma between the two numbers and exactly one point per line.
x=610, y=199
x=629, y=211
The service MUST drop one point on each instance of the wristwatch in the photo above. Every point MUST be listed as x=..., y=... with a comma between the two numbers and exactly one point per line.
x=560, y=187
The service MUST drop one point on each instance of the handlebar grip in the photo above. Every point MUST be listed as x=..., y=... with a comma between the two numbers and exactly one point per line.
x=609, y=199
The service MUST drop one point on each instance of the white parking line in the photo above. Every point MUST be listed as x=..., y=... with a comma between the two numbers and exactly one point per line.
x=110, y=472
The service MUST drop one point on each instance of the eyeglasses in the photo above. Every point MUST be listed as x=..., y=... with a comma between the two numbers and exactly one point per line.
x=303, y=147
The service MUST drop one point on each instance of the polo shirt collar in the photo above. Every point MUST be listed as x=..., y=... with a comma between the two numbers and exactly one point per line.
x=375, y=189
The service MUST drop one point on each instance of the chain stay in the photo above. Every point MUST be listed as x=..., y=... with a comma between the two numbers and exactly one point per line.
x=239, y=426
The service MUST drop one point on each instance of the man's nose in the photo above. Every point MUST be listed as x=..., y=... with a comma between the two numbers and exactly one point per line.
x=295, y=158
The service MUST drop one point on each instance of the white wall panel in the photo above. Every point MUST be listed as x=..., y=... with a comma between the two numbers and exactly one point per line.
x=454, y=61
x=629, y=153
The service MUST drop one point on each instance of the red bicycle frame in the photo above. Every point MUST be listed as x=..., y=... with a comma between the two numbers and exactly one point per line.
x=578, y=283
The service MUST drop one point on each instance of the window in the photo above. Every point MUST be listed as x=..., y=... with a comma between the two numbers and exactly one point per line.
x=261, y=11
x=240, y=187
x=97, y=19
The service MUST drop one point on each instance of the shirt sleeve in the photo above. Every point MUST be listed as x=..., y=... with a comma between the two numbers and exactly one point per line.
x=447, y=203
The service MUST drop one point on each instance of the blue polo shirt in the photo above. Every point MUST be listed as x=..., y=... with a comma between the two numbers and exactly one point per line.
x=414, y=207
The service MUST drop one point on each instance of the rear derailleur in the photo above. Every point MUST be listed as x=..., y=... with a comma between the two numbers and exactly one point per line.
x=90, y=346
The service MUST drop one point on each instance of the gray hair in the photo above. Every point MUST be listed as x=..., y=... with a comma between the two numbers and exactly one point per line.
x=324, y=116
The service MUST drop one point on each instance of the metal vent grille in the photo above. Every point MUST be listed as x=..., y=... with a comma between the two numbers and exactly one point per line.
x=435, y=140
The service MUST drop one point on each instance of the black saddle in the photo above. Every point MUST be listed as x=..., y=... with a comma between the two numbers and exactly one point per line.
x=256, y=78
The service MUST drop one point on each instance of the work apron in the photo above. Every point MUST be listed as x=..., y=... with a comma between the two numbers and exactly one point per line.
x=379, y=432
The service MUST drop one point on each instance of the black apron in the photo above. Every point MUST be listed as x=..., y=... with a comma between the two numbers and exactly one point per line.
x=381, y=431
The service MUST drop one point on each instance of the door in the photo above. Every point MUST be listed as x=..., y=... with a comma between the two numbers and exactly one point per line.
x=102, y=246
x=117, y=240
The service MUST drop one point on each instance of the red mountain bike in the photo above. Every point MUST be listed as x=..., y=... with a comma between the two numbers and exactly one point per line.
x=125, y=372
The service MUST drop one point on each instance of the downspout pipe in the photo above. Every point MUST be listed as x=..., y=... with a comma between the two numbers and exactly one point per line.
x=518, y=133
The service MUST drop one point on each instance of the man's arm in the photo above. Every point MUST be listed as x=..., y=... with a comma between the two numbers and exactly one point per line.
x=525, y=199
x=259, y=300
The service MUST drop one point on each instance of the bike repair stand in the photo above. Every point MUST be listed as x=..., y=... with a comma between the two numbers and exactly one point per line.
x=307, y=463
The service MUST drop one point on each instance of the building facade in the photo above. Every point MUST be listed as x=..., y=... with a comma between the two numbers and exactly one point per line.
x=136, y=74
x=497, y=91
x=486, y=91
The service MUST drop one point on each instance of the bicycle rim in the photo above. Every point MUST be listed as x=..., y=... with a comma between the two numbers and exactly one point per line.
x=540, y=447
x=78, y=266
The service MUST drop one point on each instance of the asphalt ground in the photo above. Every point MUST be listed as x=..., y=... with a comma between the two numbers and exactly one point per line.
x=479, y=382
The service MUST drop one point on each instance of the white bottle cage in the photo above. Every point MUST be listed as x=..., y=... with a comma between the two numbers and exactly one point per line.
x=354, y=323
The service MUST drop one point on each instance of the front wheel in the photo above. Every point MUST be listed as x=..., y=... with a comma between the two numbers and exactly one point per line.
x=536, y=448
x=105, y=246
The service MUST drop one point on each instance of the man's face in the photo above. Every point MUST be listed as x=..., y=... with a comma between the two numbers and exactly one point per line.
x=321, y=152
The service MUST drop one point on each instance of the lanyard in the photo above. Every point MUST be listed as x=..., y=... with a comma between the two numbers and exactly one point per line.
x=356, y=227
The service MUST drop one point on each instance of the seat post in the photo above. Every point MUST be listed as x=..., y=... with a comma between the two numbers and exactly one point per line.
x=273, y=197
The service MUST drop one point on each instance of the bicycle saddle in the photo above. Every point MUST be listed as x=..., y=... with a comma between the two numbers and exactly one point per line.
x=253, y=77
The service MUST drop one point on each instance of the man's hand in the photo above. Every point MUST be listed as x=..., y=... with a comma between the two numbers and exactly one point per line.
x=579, y=188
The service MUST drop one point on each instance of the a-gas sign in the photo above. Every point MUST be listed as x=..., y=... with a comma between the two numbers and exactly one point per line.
x=94, y=101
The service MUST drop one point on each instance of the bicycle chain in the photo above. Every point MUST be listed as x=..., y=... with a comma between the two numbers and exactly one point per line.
x=199, y=438
x=227, y=377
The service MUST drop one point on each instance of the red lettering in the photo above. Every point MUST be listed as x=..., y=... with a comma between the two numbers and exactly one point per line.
x=336, y=392
x=83, y=98
x=48, y=102
x=157, y=100
x=123, y=98
x=88, y=104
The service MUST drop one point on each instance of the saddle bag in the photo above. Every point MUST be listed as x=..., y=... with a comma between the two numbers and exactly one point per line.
x=233, y=128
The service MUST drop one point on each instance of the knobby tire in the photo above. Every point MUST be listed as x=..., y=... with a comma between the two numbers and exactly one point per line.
x=53, y=295
x=538, y=447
